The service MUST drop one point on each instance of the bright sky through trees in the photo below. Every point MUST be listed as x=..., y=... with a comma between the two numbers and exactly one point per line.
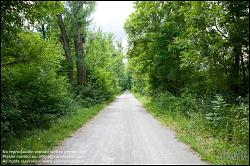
x=111, y=15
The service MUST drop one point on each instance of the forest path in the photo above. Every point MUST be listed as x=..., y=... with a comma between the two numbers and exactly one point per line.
x=123, y=133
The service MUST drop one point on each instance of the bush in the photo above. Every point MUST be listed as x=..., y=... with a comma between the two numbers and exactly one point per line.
x=227, y=121
x=101, y=86
x=186, y=105
x=32, y=93
x=208, y=136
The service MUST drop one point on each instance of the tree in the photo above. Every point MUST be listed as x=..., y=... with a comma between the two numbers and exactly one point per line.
x=66, y=46
x=81, y=71
x=77, y=14
x=237, y=17
x=200, y=47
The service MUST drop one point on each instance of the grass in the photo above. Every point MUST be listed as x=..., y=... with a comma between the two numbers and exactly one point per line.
x=213, y=150
x=45, y=140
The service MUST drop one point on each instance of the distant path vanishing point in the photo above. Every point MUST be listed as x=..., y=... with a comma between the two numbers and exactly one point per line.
x=123, y=133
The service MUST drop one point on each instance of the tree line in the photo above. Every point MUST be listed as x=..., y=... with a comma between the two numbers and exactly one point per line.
x=192, y=59
x=199, y=46
x=52, y=63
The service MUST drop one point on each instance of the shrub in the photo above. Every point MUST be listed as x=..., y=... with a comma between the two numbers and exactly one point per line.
x=219, y=118
x=32, y=93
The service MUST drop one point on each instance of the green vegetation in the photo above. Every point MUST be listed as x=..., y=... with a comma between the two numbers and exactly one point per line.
x=199, y=130
x=190, y=61
x=52, y=69
x=190, y=57
x=45, y=140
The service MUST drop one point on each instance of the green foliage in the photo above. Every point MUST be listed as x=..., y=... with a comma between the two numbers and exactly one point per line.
x=72, y=14
x=15, y=13
x=192, y=58
x=103, y=60
x=218, y=132
x=98, y=89
x=189, y=46
x=34, y=85
x=36, y=98
x=45, y=140
x=220, y=119
x=31, y=95
x=229, y=120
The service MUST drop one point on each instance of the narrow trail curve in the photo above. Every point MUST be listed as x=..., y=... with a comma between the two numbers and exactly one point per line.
x=123, y=133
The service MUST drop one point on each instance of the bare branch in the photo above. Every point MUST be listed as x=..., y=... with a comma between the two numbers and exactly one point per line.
x=220, y=30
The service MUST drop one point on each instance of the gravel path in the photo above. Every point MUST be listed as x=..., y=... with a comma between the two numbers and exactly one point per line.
x=123, y=133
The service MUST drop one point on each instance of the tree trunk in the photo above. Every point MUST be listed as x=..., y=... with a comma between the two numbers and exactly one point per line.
x=178, y=74
x=244, y=74
x=43, y=31
x=66, y=47
x=81, y=72
x=236, y=69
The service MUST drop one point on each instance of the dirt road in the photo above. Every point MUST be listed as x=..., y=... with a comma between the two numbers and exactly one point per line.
x=123, y=133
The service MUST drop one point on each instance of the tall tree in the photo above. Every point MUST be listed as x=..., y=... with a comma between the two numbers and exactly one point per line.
x=81, y=72
x=66, y=46
x=237, y=17
x=200, y=47
x=77, y=17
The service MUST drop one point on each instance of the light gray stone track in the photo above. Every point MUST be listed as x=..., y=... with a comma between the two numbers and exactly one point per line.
x=123, y=133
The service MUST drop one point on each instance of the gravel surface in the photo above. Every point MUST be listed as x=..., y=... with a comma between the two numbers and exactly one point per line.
x=122, y=133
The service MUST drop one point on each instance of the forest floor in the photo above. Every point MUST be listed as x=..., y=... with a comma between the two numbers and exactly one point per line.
x=122, y=133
